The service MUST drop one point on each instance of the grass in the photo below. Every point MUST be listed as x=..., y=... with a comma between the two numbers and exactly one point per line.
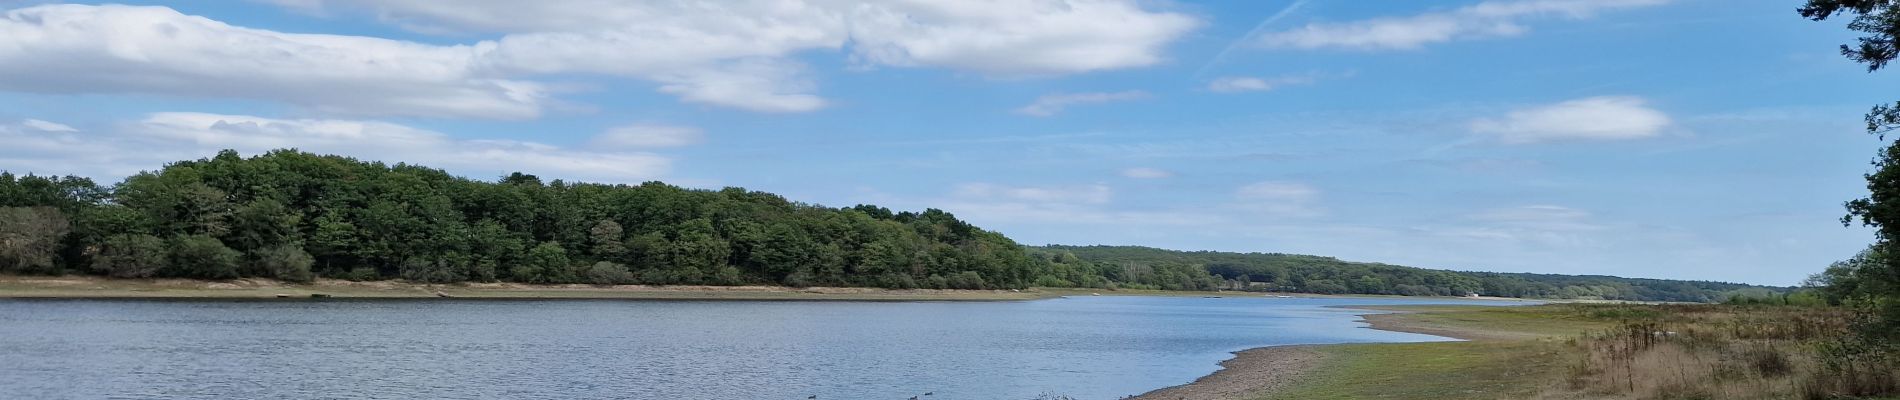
x=1580, y=351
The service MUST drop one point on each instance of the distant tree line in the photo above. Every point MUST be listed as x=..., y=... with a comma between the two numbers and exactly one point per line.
x=297, y=216
x=1327, y=275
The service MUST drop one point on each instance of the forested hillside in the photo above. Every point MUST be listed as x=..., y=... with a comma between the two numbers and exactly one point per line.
x=1327, y=275
x=296, y=216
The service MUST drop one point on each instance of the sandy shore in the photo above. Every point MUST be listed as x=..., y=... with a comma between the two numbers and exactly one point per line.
x=1251, y=373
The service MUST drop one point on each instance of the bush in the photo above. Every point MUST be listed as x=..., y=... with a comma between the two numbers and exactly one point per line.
x=287, y=263
x=608, y=273
x=967, y=280
x=363, y=274
x=130, y=256
x=29, y=238
x=432, y=270
x=203, y=257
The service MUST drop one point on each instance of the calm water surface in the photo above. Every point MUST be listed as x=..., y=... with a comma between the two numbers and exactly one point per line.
x=1086, y=347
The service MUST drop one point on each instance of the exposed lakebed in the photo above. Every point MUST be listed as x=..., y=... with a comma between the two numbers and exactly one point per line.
x=1087, y=347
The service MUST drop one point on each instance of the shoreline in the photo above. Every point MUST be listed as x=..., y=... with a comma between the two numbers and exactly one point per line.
x=96, y=288
x=1261, y=371
x=102, y=288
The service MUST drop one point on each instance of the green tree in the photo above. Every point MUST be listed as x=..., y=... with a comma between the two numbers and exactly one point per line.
x=202, y=257
x=30, y=237
x=131, y=256
x=286, y=262
x=1878, y=21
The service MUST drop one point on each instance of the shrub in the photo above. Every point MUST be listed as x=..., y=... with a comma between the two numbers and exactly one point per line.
x=287, y=263
x=361, y=274
x=432, y=270
x=608, y=273
x=1768, y=361
x=29, y=238
x=130, y=256
x=203, y=257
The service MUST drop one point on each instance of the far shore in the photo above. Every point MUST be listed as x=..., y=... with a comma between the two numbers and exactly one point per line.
x=93, y=287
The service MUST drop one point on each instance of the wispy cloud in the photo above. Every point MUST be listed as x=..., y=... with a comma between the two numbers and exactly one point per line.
x=1593, y=118
x=1049, y=105
x=1483, y=20
x=1147, y=173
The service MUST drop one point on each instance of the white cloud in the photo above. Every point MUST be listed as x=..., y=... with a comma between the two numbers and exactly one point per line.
x=741, y=53
x=1085, y=194
x=1593, y=118
x=1498, y=18
x=649, y=135
x=126, y=49
x=160, y=138
x=1052, y=104
x=1232, y=84
x=1279, y=199
x=1147, y=173
x=46, y=126
x=1548, y=217
x=1012, y=37
x=386, y=141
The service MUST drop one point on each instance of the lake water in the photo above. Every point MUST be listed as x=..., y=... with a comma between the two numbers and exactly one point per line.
x=1086, y=347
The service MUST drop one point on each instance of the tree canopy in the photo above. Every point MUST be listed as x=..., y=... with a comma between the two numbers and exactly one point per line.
x=296, y=216
x=1871, y=280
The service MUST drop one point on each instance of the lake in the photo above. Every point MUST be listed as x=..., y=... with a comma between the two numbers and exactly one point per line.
x=1086, y=347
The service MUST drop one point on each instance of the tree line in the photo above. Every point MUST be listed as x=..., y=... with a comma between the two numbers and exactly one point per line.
x=297, y=216
x=1327, y=275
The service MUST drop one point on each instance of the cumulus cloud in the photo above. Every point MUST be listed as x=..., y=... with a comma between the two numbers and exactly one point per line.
x=741, y=53
x=1593, y=118
x=1052, y=104
x=649, y=135
x=125, y=49
x=170, y=136
x=1483, y=20
x=1147, y=173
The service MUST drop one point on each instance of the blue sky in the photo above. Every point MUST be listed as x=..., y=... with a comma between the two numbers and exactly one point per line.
x=1695, y=139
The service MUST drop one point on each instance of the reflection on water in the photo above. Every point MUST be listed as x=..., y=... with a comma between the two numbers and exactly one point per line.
x=1087, y=347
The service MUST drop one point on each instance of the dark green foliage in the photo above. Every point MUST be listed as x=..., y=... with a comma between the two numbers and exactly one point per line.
x=1167, y=269
x=608, y=273
x=30, y=238
x=294, y=215
x=131, y=256
x=202, y=257
x=1871, y=281
x=285, y=262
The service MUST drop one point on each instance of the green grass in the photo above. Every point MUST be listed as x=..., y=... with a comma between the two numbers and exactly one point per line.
x=1442, y=370
x=1550, y=320
x=1519, y=367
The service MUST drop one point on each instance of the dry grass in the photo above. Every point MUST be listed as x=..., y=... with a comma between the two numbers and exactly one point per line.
x=1723, y=352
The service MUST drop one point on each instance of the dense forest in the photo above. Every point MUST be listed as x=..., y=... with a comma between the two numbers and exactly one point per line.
x=296, y=216
x=1327, y=275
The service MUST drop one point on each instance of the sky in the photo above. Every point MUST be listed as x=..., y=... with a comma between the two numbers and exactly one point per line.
x=1683, y=139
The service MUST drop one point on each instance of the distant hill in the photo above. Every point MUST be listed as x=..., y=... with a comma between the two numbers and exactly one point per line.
x=1327, y=275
